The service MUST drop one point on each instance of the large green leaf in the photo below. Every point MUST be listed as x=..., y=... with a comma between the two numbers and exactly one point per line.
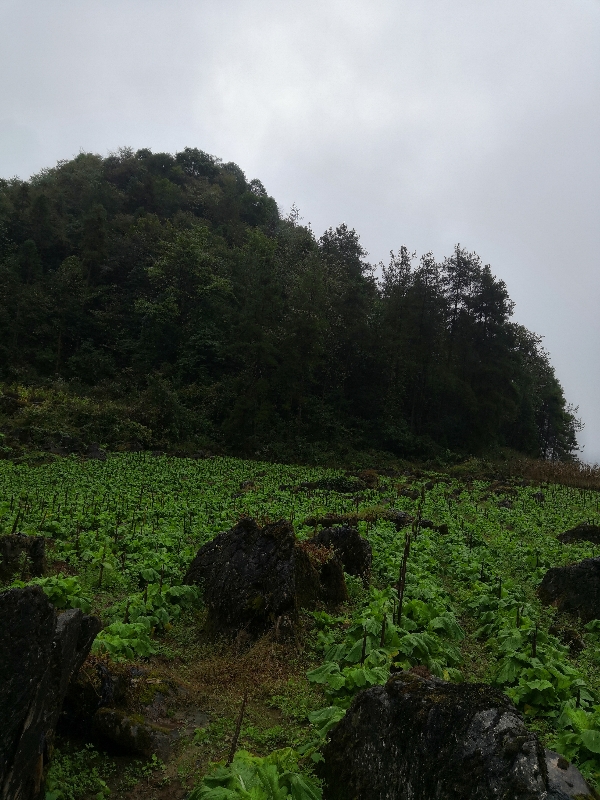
x=591, y=739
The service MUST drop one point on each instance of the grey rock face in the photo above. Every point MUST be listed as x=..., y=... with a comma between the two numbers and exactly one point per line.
x=574, y=588
x=565, y=782
x=39, y=653
x=425, y=739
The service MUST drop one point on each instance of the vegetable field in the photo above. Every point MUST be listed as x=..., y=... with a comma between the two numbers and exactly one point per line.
x=453, y=591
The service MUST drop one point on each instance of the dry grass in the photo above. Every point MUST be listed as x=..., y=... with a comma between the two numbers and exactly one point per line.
x=573, y=473
x=261, y=670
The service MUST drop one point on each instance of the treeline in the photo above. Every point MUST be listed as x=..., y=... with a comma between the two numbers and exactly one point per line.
x=163, y=300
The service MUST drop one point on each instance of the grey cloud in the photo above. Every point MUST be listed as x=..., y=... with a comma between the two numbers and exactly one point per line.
x=425, y=123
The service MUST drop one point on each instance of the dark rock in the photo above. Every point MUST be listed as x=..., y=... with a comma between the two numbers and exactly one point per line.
x=401, y=519
x=15, y=546
x=428, y=524
x=135, y=734
x=568, y=636
x=39, y=653
x=581, y=533
x=574, y=588
x=422, y=738
x=247, y=575
x=565, y=782
x=318, y=575
x=412, y=494
x=369, y=478
x=113, y=686
x=307, y=579
x=254, y=577
x=83, y=698
x=95, y=452
x=354, y=552
x=332, y=584
x=539, y=498
x=145, y=706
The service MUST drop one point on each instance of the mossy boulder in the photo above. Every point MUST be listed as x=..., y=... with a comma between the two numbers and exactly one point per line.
x=581, y=533
x=40, y=651
x=354, y=552
x=422, y=738
x=574, y=588
x=21, y=554
x=135, y=734
x=257, y=578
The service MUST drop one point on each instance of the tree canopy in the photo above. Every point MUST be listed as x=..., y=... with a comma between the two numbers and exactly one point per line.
x=163, y=299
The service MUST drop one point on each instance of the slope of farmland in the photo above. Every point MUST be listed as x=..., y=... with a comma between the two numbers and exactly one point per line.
x=120, y=535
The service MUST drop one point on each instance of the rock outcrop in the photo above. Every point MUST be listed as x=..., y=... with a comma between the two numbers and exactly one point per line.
x=257, y=578
x=581, y=533
x=95, y=452
x=565, y=782
x=133, y=711
x=135, y=734
x=354, y=552
x=423, y=739
x=16, y=547
x=574, y=588
x=40, y=651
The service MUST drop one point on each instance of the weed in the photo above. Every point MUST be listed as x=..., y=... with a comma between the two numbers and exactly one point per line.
x=75, y=775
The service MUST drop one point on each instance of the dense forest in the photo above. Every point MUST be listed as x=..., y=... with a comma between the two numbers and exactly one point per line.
x=162, y=301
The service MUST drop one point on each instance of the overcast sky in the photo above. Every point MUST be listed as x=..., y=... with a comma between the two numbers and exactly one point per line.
x=417, y=122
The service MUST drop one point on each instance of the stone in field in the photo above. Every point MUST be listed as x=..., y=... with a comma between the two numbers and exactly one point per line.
x=39, y=653
x=15, y=546
x=138, y=712
x=95, y=452
x=424, y=739
x=574, y=588
x=565, y=782
x=135, y=734
x=581, y=533
x=353, y=551
x=254, y=578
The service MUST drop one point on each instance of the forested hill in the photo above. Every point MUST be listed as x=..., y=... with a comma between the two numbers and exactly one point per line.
x=162, y=301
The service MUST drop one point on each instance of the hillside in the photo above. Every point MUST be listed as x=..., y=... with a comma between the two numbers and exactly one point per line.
x=453, y=591
x=151, y=300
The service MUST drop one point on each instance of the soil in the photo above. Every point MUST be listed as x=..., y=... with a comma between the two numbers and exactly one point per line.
x=212, y=676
